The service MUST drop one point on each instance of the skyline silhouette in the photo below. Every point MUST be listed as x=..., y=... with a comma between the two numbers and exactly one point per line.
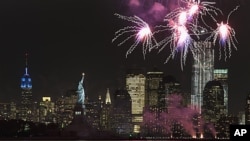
x=65, y=38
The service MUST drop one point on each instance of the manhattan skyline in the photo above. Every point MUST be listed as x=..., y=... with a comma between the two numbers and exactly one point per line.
x=65, y=38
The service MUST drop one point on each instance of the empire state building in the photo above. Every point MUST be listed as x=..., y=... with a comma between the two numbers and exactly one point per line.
x=26, y=94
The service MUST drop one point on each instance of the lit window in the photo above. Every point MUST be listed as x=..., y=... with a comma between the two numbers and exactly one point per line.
x=77, y=113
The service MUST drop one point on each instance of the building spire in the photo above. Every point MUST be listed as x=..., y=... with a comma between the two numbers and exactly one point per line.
x=26, y=59
x=107, y=100
x=26, y=63
x=26, y=80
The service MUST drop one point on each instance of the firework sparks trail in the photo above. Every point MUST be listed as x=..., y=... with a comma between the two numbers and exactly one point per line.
x=179, y=41
x=183, y=23
x=186, y=24
x=142, y=34
x=226, y=36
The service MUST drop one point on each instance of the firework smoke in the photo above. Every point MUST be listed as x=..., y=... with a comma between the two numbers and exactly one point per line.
x=175, y=113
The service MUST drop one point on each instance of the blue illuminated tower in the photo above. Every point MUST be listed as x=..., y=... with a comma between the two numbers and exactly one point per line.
x=25, y=109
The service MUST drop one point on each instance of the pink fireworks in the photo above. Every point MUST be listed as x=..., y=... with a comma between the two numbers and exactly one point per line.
x=141, y=33
x=193, y=10
x=186, y=24
x=144, y=32
x=225, y=34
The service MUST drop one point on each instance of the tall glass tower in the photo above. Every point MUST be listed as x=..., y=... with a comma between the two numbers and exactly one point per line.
x=135, y=85
x=247, y=110
x=213, y=107
x=222, y=76
x=153, y=79
x=25, y=110
x=202, y=72
x=122, y=119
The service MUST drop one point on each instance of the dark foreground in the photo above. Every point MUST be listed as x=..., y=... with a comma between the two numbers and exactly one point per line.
x=85, y=139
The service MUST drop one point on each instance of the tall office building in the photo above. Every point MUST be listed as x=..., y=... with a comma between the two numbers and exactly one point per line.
x=107, y=99
x=135, y=84
x=25, y=109
x=5, y=111
x=106, y=113
x=93, y=113
x=13, y=110
x=47, y=111
x=202, y=72
x=242, y=117
x=213, y=105
x=222, y=76
x=153, y=79
x=64, y=108
x=169, y=85
x=247, y=110
x=122, y=120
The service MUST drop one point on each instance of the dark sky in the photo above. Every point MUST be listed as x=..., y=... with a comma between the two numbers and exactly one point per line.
x=67, y=37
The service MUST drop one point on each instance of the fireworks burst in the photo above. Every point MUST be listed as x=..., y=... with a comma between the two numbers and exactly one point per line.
x=141, y=34
x=226, y=36
x=186, y=24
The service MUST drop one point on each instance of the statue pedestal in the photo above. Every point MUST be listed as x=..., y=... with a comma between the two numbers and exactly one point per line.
x=79, y=127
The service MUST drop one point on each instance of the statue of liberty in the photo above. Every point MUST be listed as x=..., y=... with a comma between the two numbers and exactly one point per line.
x=80, y=92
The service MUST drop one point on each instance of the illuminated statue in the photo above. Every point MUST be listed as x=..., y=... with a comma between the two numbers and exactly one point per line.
x=80, y=91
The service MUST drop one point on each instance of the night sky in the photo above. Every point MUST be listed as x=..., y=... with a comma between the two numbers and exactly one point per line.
x=67, y=37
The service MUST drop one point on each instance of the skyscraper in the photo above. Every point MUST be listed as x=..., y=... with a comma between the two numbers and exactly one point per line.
x=106, y=113
x=135, y=84
x=25, y=109
x=213, y=104
x=107, y=99
x=152, y=84
x=5, y=111
x=247, y=110
x=222, y=76
x=122, y=113
x=94, y=111
x=64, y=107
x=169, y=85
x=157, y=117
x=202, y=72
x=47, y=111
